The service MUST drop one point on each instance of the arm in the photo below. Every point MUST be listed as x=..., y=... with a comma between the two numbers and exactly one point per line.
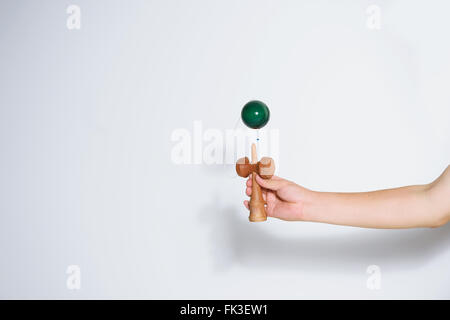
x=407, y=207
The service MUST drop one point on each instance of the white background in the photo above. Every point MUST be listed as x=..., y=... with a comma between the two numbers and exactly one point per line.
x=86, y=116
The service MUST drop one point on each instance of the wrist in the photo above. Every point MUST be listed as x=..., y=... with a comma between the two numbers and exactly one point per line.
x=310, y=201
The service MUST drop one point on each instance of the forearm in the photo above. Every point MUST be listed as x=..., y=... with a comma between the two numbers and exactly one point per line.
x=406, y=207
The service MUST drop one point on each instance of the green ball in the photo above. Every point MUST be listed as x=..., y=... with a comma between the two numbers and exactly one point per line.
x=255, y=114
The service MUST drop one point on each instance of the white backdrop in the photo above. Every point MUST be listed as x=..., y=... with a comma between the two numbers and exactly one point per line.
x=87, y=115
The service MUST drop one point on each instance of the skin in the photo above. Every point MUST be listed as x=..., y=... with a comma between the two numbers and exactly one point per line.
x=406, y=207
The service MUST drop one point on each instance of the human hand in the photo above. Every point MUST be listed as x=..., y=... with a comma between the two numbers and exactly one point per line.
x=285, y=199
x=415, y=206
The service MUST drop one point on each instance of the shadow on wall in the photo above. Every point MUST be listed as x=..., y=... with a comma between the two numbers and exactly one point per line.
x=236, y=241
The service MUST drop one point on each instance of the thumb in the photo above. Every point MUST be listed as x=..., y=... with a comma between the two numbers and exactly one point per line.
x=271, y=184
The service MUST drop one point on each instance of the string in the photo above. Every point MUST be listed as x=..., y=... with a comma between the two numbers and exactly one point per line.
x=257, y=139
x=247, y=152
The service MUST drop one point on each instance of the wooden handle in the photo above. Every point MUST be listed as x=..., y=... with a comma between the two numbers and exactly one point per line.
x=257, y=210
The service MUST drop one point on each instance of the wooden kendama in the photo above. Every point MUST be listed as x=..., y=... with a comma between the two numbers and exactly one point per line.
x=255, y=115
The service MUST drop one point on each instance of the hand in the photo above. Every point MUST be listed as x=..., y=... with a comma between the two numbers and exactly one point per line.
x=415, y=206
x=285, y=199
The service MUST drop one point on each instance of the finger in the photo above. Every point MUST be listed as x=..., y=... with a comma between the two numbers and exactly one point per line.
x=271, y=184
x=248, y=192
x=246, y=204
x=274, y=177
x=271, y=201
x=264, y=195
x=250, y=180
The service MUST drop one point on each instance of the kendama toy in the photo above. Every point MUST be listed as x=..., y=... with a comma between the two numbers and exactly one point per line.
x=255, y=114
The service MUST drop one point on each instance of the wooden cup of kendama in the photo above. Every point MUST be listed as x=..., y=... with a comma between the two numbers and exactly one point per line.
x=265, y=168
